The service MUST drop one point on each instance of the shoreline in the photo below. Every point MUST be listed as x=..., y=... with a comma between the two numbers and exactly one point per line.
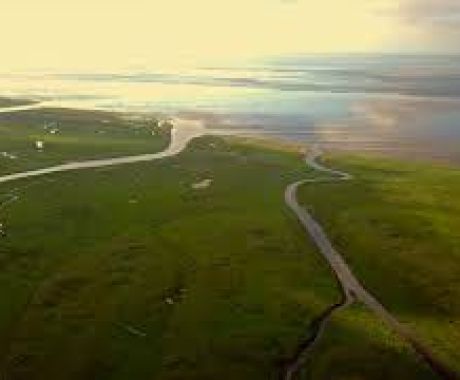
x=416, y=152
x=182, y=133
x=13, y=102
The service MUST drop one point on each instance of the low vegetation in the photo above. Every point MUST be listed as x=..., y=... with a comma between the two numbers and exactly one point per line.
x=132, y=272
x=397, y=225
x=357, y=345
x=69, y=135
x=129, y=272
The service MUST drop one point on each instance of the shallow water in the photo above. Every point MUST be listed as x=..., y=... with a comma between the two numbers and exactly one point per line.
x=400, y=104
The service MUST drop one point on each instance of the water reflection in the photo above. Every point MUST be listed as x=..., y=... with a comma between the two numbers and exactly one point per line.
x=404, y=125
x=386, y=103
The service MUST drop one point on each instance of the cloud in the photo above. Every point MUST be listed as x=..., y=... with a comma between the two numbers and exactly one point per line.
x=438, y=20
x=165, y=33
x=432, y=11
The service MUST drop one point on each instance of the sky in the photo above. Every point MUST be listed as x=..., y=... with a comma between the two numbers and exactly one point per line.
x=109, y=34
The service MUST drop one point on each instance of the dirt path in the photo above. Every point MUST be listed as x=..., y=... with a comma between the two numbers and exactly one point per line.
x=186, y=130
x=352, y=288
x=182, y=133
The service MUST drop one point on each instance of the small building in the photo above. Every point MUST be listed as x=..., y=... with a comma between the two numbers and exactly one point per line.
x=39, y=145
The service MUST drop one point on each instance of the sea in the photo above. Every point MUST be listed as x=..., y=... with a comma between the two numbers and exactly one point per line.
x=386, y=103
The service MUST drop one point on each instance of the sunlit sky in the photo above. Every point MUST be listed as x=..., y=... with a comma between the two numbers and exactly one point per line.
x=108, y=34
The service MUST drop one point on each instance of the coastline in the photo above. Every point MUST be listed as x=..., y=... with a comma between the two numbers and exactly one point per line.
x=417, y=152
x=14, y=102
x=267, y=144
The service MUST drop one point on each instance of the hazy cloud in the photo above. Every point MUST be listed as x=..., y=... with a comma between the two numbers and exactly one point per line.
x=439, y=19
x=443, y=12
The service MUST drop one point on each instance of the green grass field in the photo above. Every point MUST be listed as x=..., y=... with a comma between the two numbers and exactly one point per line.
x=89, y=256
x=129, y=273
x=357, y=345
x=397, y=225
x=70, y=135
